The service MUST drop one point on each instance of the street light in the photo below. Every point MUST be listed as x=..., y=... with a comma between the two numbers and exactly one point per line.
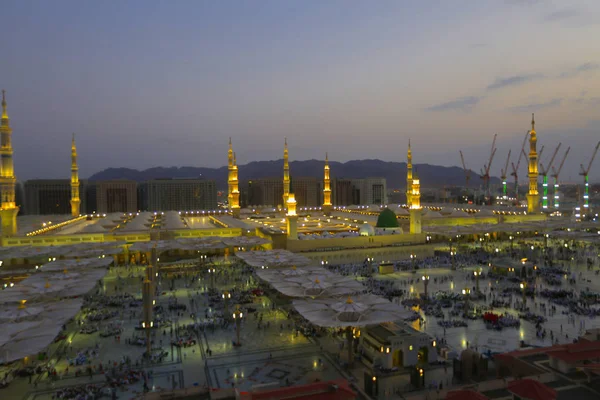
x=226, y=296
x=452, y=255
x=413, y=257
x=477, y=274
x=237, y=317
x=212, y=272
x=425, y=279
x=523, y=286
x=466, y=292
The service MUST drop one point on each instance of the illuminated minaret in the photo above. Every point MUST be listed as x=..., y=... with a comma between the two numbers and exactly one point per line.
x=291, y=216
x=409, y=174
x=533, y=197
x=286, y=174
x=9, y=209
x=230, y=172
x=75, y=201
x=235, y=190
x=415, y=206
x=326, y=188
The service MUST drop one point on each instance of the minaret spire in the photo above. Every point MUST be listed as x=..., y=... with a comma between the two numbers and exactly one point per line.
x=409, y=175
x=75, y=200
x=286, y=174
x=8, y=209
x=326, y=187
x=533, y=205
x=4, y=113
x=233, y=196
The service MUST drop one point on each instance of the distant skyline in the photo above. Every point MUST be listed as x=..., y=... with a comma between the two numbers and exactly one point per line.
x=147, y=83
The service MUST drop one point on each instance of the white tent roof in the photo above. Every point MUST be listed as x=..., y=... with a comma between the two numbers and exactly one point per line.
x=360, y=310
x=272, y=258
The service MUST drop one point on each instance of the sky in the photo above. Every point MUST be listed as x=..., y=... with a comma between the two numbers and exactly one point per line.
x=147, y=83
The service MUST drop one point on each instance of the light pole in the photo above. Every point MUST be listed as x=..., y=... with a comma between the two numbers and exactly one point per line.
x=148, y=312
x=212, y=272
x=511, y=238
x=467, y=293
x=452, y=254
x=477, y=274
x=425, y=279
x=237, y=317
x=413, y=257
x=523, y=286
x=226, y=296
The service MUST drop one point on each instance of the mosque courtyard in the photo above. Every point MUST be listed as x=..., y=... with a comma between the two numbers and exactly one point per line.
x=195, y=345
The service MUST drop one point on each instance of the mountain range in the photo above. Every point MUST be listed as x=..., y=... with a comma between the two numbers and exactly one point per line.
x=394, y=172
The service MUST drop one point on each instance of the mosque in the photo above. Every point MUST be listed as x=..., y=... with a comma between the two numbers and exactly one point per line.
x=319, y=231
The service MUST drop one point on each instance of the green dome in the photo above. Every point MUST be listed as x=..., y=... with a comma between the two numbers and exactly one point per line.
x=387, y=219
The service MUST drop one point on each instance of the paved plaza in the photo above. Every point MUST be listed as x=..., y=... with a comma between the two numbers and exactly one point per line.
x=273, y=352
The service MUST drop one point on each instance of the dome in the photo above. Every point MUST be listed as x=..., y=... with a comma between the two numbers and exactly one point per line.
x=433, y=214
x=387, y=219
x=402, y=211
x=458, y=214
x=366, y=230
x=446, y=211
x=485, y=213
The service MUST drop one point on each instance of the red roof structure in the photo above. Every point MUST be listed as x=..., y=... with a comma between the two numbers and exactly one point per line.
x=331, y=390
x=530, y=389
x=570, y=353
x=465, y=395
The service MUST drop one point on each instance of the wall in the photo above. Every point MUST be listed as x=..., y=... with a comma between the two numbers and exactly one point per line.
x=355, y=242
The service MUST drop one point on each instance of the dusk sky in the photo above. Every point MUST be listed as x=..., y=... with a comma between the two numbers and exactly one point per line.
x=147, y=83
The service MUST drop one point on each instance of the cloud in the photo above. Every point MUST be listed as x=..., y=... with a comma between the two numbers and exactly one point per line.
x=561, y=15
x=461, y=104
x=536, y=106
x=592, y=101
x=513, y=81
x=478, y=45
x=521, y=2
x=586, y=67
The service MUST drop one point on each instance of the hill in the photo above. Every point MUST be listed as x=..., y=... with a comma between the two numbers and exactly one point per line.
x=394, y=172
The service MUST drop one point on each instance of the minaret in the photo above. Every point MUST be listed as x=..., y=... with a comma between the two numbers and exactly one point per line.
x=9, y=209
x=326, y=188
x=230, y=173
x=235, y=190
x=409, y=174
x=533, y=197
x=291, y=216
x=286, y=174
x=415, y=206
x=75, y=201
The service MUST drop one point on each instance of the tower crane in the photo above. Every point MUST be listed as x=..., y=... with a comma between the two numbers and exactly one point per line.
x=555, y=173
x=485, y=172
x=515, y=170
x=586, y=185
x=503, y=176
x=467, y=172
x=544, y=173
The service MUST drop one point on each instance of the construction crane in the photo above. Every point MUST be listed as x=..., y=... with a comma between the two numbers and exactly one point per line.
x=555, y=173
x=503, y=176
x=515, y=170
x=544, y=173
x=485, y=172
x=586, y=185
x=467, y=173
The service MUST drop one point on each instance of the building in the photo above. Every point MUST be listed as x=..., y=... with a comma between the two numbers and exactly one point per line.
x=370, y=191
x=47, y=196
x=179, y=195
x=270, y=191
x=342, y=190
x=391, y=345
x=116, y=196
